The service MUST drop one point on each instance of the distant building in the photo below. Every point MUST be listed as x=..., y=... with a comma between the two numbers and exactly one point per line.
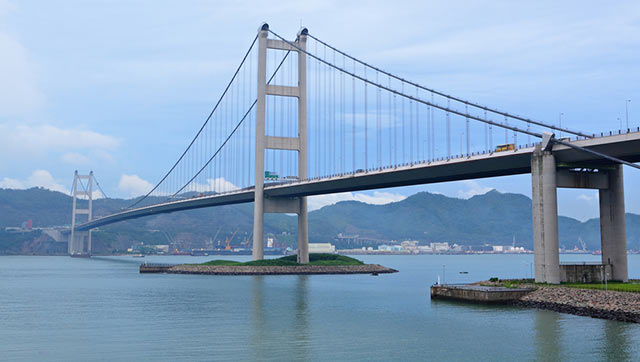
x=410, y=245
x=322, y=248
x=162, y=248
x=439, y=247
x=389, y=248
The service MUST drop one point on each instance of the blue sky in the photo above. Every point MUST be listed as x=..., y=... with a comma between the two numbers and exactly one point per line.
x=120, y=87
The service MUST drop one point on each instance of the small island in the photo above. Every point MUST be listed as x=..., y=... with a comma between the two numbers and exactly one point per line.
x=318, y=264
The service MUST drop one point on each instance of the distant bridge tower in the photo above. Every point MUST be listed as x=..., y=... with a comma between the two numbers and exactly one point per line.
x=547, y=176
x=79, y=239
x=290, y=205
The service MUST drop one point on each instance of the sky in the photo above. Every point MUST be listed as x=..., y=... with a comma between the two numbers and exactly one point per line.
x=121, y=87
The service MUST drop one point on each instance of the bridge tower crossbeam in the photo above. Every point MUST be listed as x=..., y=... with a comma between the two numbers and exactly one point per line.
x=263, y=204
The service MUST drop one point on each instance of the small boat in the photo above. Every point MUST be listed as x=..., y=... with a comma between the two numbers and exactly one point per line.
x=464, y=272
x=138, y=256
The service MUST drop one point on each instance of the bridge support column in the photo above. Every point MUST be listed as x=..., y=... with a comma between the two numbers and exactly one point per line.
x=257, y=252
x=545, y=217
x=263, y=204
x=613, y=234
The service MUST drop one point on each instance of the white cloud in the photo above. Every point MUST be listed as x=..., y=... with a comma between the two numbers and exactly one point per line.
x=11, y=183
x=38, y=178
x=473, y=189
x=377, y=198
x=75, y=158
x=134, y=185
x=48, y=143
x=585, y=197
x=219, y=184
x=47, y=138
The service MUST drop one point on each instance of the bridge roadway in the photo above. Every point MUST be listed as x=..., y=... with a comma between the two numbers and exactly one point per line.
x=623, y=146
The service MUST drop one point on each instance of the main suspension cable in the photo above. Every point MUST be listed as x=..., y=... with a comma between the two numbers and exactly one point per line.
x=233, y=131
x=502, y=113
x=100, y=188
x=512, y=128
x=203, y=125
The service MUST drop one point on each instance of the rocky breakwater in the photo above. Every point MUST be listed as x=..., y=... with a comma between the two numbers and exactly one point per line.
x=620, y=306
x=279, y=270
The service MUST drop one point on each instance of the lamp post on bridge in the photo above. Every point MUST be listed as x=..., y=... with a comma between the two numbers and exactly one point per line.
x=626, y=109
x=560, y=122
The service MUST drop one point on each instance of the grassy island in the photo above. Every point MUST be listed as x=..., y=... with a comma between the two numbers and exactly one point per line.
x=314, y=259
x=318, y=264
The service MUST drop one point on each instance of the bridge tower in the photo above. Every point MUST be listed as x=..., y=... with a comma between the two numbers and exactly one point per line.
x=263, y=204
x=547, y=176
x=78, y=239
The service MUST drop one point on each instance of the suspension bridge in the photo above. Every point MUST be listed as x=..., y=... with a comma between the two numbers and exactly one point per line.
x=301, y=118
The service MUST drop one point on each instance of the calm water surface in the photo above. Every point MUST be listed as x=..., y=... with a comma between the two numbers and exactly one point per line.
x=60, y=308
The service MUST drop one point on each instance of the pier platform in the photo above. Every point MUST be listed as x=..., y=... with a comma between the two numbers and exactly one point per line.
x=477, y=293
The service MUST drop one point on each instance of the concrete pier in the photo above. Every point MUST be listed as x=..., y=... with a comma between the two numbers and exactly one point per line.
x=613, y=225
x=545, y=217
x=478, y=293
x=546, y=177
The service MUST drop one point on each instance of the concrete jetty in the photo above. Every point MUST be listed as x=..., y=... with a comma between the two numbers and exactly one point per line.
x=478, y=293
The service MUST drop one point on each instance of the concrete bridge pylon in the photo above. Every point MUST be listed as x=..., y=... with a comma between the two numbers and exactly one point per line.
x=547, y=176
x=263, y=204
x=78, y=240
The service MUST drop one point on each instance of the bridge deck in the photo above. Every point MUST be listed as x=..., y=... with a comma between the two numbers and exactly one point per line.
x=623, y=146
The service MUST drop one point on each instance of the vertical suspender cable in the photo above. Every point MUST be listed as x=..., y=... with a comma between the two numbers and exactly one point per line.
x=490, y=134
x=402, y=119
x=410, y=131
x=395, y=132
x=448, y=134
x=379, y=126
x=433, y=129
x=342, y=119
x=467, y=129
x=391, y=125
x=418, y=128
x=326, y=128
x=334, y=134
x=506, y=131
x=353, y=116
x=366, y=126
x=318, y=116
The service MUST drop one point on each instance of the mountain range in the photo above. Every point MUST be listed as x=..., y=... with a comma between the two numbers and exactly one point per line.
x=493, y=218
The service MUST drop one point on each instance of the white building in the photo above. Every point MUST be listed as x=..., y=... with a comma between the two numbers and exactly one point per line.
x=322, y=248
x=439, y=247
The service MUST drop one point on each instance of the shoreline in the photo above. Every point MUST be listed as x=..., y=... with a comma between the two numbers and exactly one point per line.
x=596, y=303
x=374, y=269
x=611, y=305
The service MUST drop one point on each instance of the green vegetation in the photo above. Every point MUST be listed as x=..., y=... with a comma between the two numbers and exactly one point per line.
x=314, y=259
x=632, y=286
x=617, y=286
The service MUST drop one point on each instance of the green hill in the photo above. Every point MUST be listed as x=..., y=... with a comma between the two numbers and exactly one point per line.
x=493, y=218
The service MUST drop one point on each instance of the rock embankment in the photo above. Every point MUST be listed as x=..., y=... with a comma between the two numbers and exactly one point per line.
x=620, y=306
x=279, y=270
